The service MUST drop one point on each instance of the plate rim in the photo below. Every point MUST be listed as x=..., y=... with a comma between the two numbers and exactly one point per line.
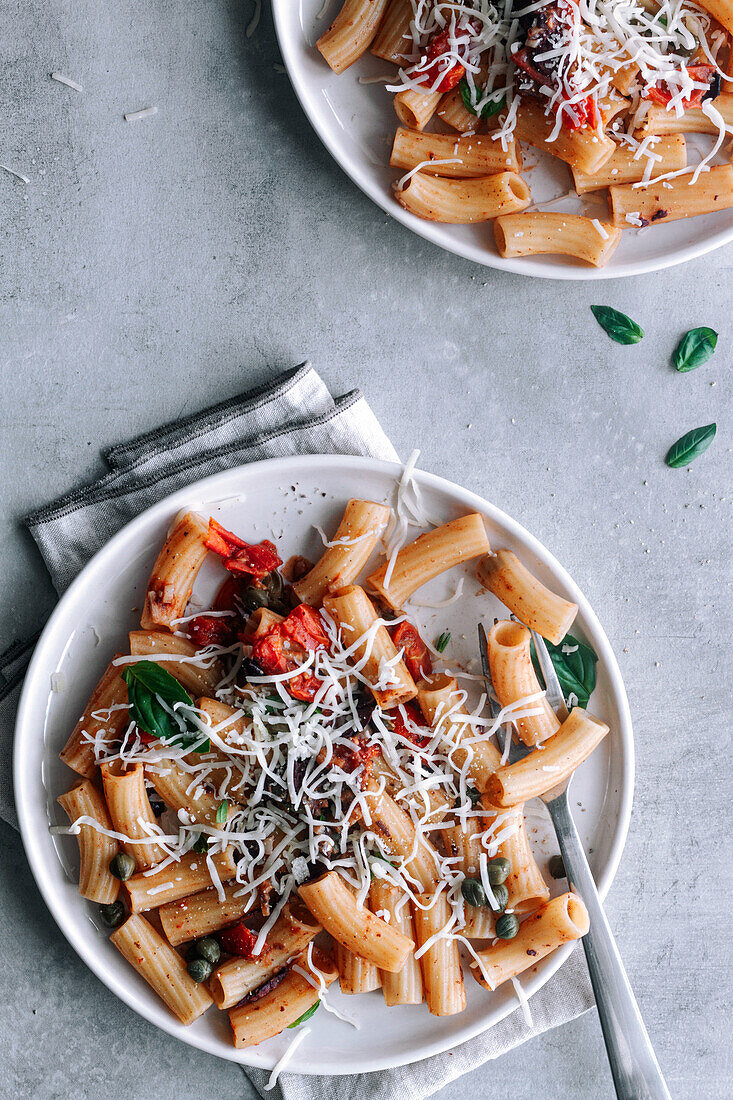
x=519, y=266
x=67, y=919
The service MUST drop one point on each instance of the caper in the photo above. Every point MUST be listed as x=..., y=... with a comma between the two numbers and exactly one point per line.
x=501, y=894
x=122, y=866
x=254, y=598
x=274, y=584
x=557, y=867
x=199, y=969
x=208, y=949
x=474, y=893
x=498, y=869
x=507, y=926
x=201, y=844
x=113, y=914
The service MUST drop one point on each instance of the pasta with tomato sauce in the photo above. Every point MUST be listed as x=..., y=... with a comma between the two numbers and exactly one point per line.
x=576, y=82
x=304, y=806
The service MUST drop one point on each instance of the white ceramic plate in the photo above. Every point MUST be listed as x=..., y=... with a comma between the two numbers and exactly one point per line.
x=281, y=499
x=356, y=122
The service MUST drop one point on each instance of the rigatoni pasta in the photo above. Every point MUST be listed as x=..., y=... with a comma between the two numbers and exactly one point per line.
x=329, y=777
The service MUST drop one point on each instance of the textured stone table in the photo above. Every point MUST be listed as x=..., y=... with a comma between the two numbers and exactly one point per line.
x=148, y=269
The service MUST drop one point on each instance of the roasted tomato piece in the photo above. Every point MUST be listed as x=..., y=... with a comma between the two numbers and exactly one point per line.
x=254, y=559
x=662, y=93
x=303, y=687
x=450, y=75
x=210, y=630
x=402, y=729
x=237, y=940
x=269, y=653
x=416, y=656
x=304, y=626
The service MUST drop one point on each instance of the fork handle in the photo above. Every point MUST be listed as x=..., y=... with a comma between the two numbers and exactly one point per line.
x=636, y=1072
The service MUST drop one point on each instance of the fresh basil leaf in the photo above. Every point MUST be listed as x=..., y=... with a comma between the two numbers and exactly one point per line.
x=576, y=671
x=617, y=325
x=442, y=641
x=694, y=349
x=149, y=686
x=306, y=1015
x=221, y=813
x=488, y=110
x=690, y=446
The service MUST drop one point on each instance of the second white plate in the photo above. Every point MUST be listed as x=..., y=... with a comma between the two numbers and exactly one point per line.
x=356, y=122
x=281, y=500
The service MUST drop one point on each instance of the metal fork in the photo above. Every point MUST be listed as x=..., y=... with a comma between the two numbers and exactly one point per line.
x=635, y=1070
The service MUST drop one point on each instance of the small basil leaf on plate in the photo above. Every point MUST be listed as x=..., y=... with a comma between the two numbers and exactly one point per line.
x=575, y=665
x=617, y=325
x=470, y=102
x=306, y=1015
x=690, y=446
x=222, y=811
x=695, y=348
x=151, y=692
x=442, y=641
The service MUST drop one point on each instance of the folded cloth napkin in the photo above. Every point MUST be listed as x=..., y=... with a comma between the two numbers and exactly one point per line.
x=293, y=414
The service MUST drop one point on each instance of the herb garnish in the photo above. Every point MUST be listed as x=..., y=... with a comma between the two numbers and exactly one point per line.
x=617, y=325
x=149, y=687
x=576, y=670
x=306, y=1015
x=695, y=348
x=690, y=446
x=491, y=108
x=442, y=641
x=222, y=811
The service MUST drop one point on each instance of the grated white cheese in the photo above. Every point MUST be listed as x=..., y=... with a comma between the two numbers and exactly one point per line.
x=61, y=79
x=135, y=116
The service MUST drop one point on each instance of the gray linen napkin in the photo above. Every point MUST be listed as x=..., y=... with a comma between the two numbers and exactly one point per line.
x=294, y=414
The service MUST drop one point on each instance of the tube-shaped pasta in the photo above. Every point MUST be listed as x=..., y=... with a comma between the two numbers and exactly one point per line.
x=396, y=830
x=129, y=808
x=655, y=203
x=429, y=555
x=356, y=975
x=452, y=111
x=460, y=202
x=194, y=677
x=175, y=571
x=78, y=752
x=177, y=880
x=438, y=700
x=546, y=233
x=477, y=155
x=342, y=562
x=254, y=1021
x=464, y=843
x=526, y=887
x=260, y=622
x=351, y=32
x=658, y=120
x=583, y=149
x=442, y=975
x=532, y=602
x=356, y=615
x=405, y=987
x=622, y=167
x=334, y=906
x=180, y=790
x=162, y=968
x=289, y=936
x=513, y=677
x=558, y=921
x=415, y=109
x=390, y=43
x=202, y=913
x=95, y=849
x=545, y=768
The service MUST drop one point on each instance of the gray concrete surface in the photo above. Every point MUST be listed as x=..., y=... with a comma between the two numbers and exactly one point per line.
x=147, y=270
